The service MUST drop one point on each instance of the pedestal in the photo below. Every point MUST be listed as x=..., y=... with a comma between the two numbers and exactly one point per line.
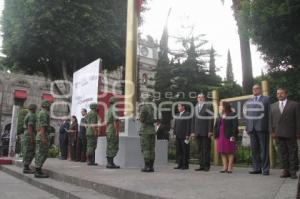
x=130, y=155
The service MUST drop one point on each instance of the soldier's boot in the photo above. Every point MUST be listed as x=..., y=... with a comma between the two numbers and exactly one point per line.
x=39, y=174
x=109, y=163
x=147, y=167
x=114, y=166
x=27, y=170
x=93, y=160
x=151, y=169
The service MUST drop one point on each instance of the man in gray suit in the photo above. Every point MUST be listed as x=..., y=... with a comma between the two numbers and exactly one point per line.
x=202, y=129
x=285, y=128
x=257, y=116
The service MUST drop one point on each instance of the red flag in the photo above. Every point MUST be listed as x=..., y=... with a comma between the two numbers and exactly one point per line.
x=139, y=6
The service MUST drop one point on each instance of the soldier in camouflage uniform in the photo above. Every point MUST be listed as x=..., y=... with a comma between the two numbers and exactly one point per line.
x=147, y=136
x=20, y=129
x=42, y=139
x=112, y=134
x=28, y=141
x=92, y=133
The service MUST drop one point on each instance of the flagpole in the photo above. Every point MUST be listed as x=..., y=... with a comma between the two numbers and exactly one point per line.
x=131, y=59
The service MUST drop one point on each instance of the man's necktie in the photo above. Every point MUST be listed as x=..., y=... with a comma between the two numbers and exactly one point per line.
x=281, y=106
x=200, y=107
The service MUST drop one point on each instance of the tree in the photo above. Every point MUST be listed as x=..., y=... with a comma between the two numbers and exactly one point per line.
x=229, y=70
x=58, y=37
x=163, y=68
x=275, y=29
x=230, y=89
x=163, y=75
x=212, y=62
x=191, y=72
x=243, y=30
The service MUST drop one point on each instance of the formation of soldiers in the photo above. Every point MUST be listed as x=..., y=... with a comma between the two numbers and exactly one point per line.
x=147, y=135
x=35, y=142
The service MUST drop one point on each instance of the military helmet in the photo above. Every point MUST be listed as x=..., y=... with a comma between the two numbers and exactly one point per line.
x=113, y=100
x=32, y=107
x=93, y=106
x=45, y=103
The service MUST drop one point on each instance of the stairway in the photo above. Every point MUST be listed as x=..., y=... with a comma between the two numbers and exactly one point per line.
x=69, y=187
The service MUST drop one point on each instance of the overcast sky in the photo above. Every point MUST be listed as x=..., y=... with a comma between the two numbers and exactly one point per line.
x=1, y=9
x=209, y=17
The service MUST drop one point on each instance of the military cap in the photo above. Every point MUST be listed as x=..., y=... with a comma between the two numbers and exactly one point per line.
x=45, y=103
x=32, y=107
x=93, y=106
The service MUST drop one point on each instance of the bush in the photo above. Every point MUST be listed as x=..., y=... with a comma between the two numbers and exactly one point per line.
x=53, y=151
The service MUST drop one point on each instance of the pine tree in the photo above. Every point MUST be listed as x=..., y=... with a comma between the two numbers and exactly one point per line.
x=229, y=70
x=212, y=62
x=163, y=75
x=191, y=75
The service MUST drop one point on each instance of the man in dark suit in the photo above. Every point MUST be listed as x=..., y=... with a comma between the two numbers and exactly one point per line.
x=182, y=130
x=63, y=139
x=202, y=129
x=285, y=127
x=257, y=116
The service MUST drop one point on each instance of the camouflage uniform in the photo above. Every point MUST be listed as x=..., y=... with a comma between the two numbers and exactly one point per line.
x=92, y=119
x=41, y=152
x=112, y=145
x=148, y=137
x=28, y=147
x=20, y=130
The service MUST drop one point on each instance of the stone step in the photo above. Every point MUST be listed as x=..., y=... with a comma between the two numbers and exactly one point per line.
x=105, y=189
x=60, y=189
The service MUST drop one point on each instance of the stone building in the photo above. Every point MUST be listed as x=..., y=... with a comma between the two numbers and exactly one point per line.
x=147, y=61
x=21, y=90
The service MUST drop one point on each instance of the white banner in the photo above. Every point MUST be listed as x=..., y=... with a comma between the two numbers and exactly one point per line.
x=85, y=87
